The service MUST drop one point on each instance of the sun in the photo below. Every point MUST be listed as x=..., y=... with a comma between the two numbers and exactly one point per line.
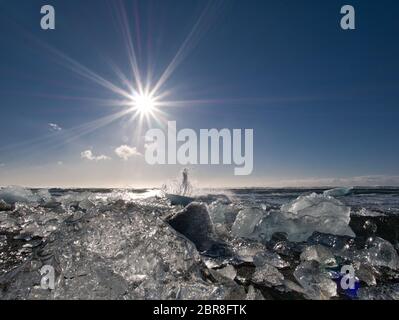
x=145, y=106
x=144, y=103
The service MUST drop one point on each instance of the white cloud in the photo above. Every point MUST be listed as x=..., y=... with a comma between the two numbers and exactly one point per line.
x=88, y=155
x=54, y=127
x=60, y=163
x=125, y=152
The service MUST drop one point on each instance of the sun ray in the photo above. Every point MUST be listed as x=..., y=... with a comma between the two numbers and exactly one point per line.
x=188, y=44
x=125, y=31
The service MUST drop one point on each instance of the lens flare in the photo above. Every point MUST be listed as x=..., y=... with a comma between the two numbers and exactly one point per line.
x=144, y=104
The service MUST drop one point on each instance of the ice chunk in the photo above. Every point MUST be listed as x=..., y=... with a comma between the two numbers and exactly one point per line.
x=338, y=192
x=302, y=217
x=116, y=252
x=246, y=221
x=139, y=247
x=9, y=223
x=118, y=255
x=272, y=258
x=377, y=252
x=386, y=292
x=43, y=195
x=86, y=204
x=291, y=286
x=315, y=205
x=380, y=252
x=214, y=263
x=15, y=194
x=363, y=212
x=254, y=294
x=246, y=250
x=190, y=290
x=366, y=274
x=5, y=206
x=334, y=242
x=223, y=216
x=320, y=254
x=267, y=275
x=232, y=290
x=298, y=229
x=228, y=272
x=223, y=213
x=299, y=219
x=315, y=281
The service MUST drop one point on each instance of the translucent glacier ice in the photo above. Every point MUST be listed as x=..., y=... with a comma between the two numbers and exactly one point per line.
x=228, y=272
x=223, y=216
x=188, y=290
x=269, y=257
x=315, y=281
x=385, y=292
x=223, y=213
x=338, y=192
x=366, y=273
x=15, y=194
x=246, y=221
x=302, y=217
x=316, y=205
x=108, y=254
x=320, y=254
x=377, y=252
x=86, y=204
x=114, y=245
x=267, y=275
x=381, y=253
x=247, y=250
x=254, y=294
x=335, y=242
x=5, y=206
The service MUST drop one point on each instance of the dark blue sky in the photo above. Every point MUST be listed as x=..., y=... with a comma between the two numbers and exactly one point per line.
x=323, y=102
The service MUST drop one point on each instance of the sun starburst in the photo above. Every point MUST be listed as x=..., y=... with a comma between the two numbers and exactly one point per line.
x=144, y=103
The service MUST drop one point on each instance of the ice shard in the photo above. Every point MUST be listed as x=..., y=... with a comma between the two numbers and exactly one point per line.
x=338, y=192
x=246, y=221
x=315, y=281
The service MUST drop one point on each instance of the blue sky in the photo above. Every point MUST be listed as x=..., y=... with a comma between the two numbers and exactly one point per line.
x=323, y=102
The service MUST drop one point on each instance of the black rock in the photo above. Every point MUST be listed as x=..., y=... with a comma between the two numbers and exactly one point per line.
x=386, y=227
x=370, y=227
x=195, y=224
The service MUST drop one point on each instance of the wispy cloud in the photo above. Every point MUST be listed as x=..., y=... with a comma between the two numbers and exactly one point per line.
x=54, y=127
x=2, y=165
x=88, y=155
x=125, y=152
